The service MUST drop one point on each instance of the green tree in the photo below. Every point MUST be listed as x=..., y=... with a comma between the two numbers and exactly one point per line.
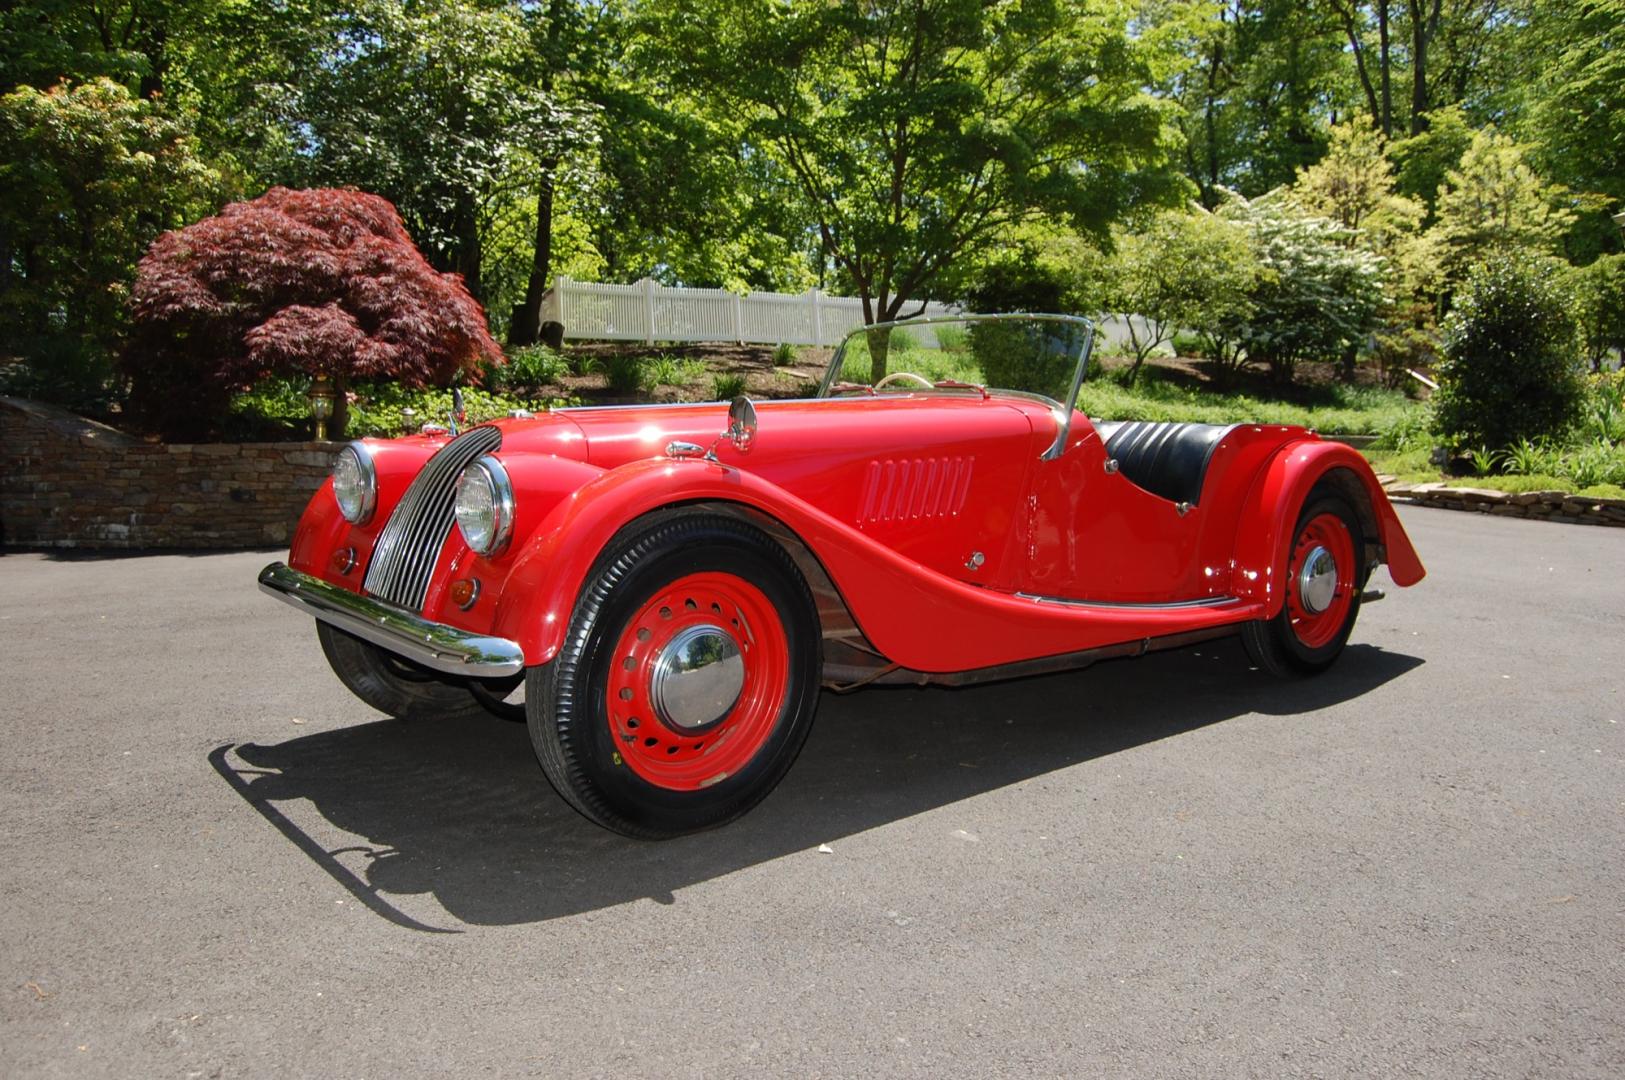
x=1355, y=186
x=1496, y=201
x=1181, y=270
x=1316, y=295
x=1260, y=79
x=1577, y=115
x=919, y=131
x=91, y=174
x=434, y=105
x=1599, y=307
x=1509, y=371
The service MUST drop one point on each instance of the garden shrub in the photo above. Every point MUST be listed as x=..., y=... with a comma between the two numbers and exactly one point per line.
x=1315, y=297
x=529, y=368
x=322, y=282
x=1509, y=370
x=1599, y=307
x=624, y=373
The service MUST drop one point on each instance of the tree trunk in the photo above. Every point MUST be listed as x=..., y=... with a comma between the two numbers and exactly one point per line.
x=1385, y=63
x=1423, y=24
x=879, y=346
x=341, y=408
x=469, y=251
x=526, y=327
x=1348, y=11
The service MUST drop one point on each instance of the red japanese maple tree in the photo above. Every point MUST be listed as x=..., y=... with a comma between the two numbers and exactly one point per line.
x=322, y=282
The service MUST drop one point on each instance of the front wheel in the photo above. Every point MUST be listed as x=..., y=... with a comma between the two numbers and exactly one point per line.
x=394, y=685
x=1323, y=586
x=687, y=681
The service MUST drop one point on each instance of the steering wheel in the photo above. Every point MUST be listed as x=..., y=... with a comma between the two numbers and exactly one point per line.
x=918, y=379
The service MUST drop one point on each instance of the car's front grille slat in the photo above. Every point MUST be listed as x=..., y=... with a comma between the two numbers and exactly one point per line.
x=409, y=546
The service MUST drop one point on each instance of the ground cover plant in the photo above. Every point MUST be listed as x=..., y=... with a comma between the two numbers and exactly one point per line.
x=1587, y=458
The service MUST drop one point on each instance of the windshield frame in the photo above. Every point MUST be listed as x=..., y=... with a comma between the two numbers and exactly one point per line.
x=1062, y=410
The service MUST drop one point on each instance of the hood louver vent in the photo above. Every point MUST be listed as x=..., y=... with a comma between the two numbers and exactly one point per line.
x=410, y=544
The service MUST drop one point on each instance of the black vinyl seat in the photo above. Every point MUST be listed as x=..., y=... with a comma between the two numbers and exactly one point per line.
x=1166, y=459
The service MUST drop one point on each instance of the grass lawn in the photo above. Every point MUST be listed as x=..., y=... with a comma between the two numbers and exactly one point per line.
x=1176, y=390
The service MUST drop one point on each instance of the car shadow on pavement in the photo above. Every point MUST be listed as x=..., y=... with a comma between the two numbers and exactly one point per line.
x=462, y=811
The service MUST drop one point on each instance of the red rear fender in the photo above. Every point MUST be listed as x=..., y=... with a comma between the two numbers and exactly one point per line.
x=1275, y=501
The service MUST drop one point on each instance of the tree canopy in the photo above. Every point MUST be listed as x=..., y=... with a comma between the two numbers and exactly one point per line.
x=918, y=132
x=323, y=282
x=899, y=150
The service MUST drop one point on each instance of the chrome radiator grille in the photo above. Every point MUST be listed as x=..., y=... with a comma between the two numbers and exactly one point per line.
x=410, y=544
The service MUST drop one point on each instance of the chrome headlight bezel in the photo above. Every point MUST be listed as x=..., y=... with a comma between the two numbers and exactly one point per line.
x=357, y=510
x=484, y=491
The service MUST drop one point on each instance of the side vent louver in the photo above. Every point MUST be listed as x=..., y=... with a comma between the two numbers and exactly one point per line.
x=410, y=544
x=915, y=489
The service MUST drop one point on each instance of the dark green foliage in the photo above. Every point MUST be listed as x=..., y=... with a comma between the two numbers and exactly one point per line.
x=1020, y=283
x=1599, y=307
x=90, y=175
x=1510, y=370
x=1022, y=355
x=727, y=387
x=528, y=370
x=624, y=374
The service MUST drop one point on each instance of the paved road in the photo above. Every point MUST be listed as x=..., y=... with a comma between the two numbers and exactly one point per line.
x=214, y=862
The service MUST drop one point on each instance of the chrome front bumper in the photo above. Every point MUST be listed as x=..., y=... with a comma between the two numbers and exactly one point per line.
x=434, y=645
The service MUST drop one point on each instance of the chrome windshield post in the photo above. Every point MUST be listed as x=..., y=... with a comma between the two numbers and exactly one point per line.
x=1064, y=427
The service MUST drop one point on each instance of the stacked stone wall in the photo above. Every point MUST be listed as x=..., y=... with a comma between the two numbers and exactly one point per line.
x=71, y=482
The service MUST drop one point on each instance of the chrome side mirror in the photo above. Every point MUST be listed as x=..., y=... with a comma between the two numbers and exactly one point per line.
x=741, y=423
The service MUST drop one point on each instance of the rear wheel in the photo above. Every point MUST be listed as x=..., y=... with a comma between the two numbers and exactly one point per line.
x=1323, y=583
x=687, y=681
x=394, y=685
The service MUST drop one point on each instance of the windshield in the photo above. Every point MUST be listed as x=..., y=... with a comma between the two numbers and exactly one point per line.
x=1041, y=355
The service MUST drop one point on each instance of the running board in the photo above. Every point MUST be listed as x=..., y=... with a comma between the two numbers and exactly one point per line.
x=842, y=677
x=1132, y=605
x=1371, y=596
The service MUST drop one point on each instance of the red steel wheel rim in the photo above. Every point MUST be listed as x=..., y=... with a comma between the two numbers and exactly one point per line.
x=669, y=756
x=1318, y=628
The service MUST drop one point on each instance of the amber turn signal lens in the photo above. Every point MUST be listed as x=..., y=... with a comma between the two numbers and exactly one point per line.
x=344, y=560
x=464, y=592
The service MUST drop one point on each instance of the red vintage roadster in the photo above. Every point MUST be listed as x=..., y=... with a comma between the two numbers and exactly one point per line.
x=660, y=591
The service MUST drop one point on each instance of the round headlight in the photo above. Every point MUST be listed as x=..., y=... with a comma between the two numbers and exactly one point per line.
x=485, y=506
x=355, y=483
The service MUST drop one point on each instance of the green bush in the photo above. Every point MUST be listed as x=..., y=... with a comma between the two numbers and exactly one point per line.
x=727, y=387
x=1509, y=370
x=528, y=370
x=624, y=374
x=784, y=354
x=1022, y=355
x=1599, y=307
x=277, y=408
x=667, y=370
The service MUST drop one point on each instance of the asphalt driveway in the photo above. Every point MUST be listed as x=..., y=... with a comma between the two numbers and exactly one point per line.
x=215, y=862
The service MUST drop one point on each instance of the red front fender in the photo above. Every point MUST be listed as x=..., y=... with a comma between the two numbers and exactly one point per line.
x=1271, y=512
x=915, y=616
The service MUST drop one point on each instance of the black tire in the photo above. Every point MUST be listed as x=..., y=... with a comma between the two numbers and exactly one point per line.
x=1278, y=645
x=492, y=694
x=393, y=685
x=579, y=741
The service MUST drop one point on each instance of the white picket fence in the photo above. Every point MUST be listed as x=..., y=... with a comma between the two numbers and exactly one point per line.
x=650, y=312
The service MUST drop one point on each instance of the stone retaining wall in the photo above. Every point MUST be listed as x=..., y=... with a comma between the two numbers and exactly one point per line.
x=71, y=482
x=1548, y=505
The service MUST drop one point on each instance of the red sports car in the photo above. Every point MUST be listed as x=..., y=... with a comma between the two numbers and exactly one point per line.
x=659, y=591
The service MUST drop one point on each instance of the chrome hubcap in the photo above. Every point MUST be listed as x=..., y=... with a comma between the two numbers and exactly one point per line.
x=1317, y=581
x=697, y=677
